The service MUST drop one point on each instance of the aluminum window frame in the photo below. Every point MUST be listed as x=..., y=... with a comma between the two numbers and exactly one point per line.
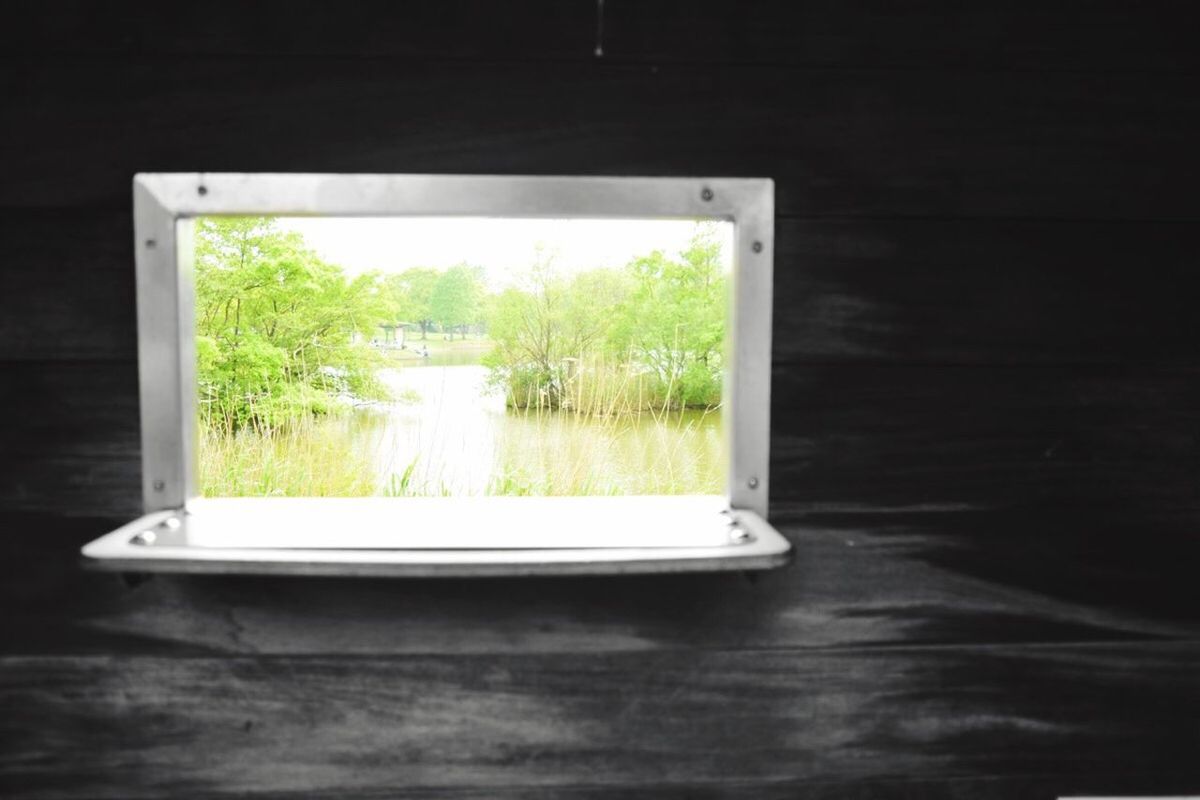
x=166, y=357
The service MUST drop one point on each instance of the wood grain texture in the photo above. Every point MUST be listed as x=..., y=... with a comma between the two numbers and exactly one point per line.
x=857, y=436
x=985, y=437
x=67, y=279
x=837, y=143
x=951, y=34
x=136, y=726
x=70, y=437
x=847, y=291
x=985, y=292
x=882, y=579
x=1023, y=34
x=985, y=434
x=526, y=30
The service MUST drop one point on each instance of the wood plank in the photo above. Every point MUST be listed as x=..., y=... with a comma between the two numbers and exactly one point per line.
x=528, y=30
x=1027, y=35
x=886, y=578
x=927, y=504
x=991, y=787
x=853, y=436
x=942, y=291
x=993, y=593
x=984, y=292
x=847, y=435
x=838, y=143
x=71, y=439
x=67, y=285
x=976, y=34
x=143, y=726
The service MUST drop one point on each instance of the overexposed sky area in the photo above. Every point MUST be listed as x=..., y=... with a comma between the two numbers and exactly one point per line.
x=502, y=246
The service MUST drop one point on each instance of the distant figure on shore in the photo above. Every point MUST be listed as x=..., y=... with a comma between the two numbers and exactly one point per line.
x=425, y=351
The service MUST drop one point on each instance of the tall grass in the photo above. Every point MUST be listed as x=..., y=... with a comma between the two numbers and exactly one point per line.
x=552, y=453
x=570, y=453
x=595, y=386
x=308, y=458
x=610, y=431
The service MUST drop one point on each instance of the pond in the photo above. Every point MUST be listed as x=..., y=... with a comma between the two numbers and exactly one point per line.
x=449, y=433
x=455, y=436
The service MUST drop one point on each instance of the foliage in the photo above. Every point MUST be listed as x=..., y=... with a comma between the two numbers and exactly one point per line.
x=409, y=293
x=276, y=326
x=545, y=326
x=307, y=459
x=656, y=328
x=675, y=320
x=284, y=338
x=456, y=298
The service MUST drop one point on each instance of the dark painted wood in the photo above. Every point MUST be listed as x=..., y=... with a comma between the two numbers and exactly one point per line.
x=527, y=30
x=71, y=440
x=985, y=410
x=67, y=280
x=837, y=142
x=856, y=436
x=916, y=290
x=882, y=579
x=952, y=34
x=985, y=292
x=1022, y=34
x=136, y=726
x=985, y=437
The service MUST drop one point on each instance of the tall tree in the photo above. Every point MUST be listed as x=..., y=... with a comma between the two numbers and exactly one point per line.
x=675, y=318
x=662, y=317
x=410, y=292
x=276, y=325
x=456, y=297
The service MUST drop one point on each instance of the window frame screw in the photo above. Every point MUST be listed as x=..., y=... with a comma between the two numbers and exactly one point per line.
x=752, y=483
x=144, y=538
x=741, y=536
x=159, y=485
x=757, y=247
x=706, y=194
x=201, y=190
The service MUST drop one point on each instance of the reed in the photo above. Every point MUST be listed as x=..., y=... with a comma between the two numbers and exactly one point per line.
x=308, y=458
x=610, y=430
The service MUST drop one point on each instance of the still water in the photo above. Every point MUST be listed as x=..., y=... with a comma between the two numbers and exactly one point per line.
x=450, y=434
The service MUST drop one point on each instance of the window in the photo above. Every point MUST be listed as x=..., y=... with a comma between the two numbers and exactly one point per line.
x=424, y=375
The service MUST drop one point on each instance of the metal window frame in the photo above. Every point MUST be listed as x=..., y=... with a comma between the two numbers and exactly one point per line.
x=165, y=306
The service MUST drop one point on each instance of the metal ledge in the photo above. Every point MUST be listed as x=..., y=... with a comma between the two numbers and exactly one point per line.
x=438, y=536
x=444, y=537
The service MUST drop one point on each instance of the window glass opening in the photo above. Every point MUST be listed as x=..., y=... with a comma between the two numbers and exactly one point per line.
x=388, y=356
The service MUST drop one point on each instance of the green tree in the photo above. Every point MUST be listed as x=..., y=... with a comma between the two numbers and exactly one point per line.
x=662, y=317
x=674, y=321
x=279, y=331
x=410, y=293
x=547, y=324
x=456, y=298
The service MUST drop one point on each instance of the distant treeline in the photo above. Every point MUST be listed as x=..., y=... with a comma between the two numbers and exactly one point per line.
x=283, y=334
x=648, y=336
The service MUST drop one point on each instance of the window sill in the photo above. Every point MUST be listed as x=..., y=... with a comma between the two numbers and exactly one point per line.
x=451, y=537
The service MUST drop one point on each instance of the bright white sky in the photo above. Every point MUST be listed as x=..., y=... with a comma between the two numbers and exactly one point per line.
x=502, y=246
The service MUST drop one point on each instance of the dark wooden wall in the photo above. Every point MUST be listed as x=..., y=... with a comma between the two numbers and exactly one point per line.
x=986, y=445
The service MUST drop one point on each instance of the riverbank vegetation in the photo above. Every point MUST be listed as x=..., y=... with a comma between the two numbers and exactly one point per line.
x=282, y=335
x=275, y=327
x=646, y=337
x=286, y=339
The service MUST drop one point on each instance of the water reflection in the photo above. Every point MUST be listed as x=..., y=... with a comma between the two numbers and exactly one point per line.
x=452, y=435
